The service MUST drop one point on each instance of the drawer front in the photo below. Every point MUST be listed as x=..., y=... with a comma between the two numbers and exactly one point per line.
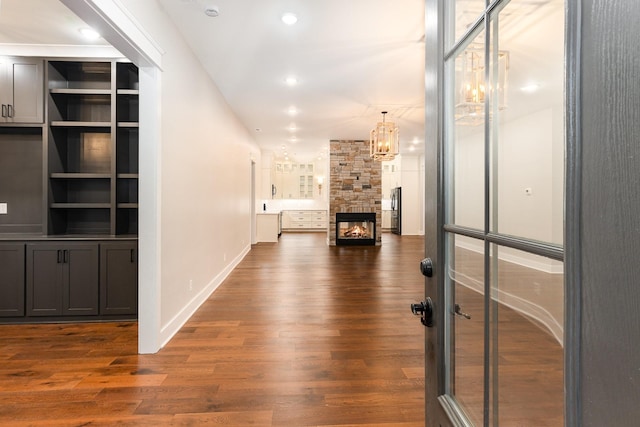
x=312, y=219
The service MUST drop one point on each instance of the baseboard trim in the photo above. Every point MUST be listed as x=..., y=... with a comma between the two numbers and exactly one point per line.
x=179, y=320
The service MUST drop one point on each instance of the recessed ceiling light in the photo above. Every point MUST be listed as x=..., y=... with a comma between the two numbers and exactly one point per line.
x=291, y=81
x=212, y=11
x=289, y=18
x=292, y=111
x=292, y=128
x=89, y=33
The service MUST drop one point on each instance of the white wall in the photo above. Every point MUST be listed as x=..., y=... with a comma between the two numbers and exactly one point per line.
x=204, y=174
x=530, y=156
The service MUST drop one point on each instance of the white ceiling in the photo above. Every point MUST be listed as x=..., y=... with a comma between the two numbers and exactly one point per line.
x=353, y=59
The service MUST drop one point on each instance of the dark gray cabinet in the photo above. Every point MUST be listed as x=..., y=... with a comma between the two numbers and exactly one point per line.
x=21, y=90
x=68, y=247
x=11, y=279
x=118, y=278
x=62, y=279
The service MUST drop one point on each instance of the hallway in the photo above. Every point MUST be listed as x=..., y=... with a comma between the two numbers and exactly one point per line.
x=300, y=334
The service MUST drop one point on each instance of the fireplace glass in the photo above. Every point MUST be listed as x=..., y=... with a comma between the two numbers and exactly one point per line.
x=355, y=228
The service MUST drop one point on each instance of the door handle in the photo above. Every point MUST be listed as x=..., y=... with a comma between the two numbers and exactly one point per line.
x=59, y=254
x=458, y=312
x=4, y=110
x=424, y=309
x=10, y=110
x=66, y=256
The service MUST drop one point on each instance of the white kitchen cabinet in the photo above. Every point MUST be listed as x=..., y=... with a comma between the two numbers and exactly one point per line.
x=267, y=226
x=307, y=220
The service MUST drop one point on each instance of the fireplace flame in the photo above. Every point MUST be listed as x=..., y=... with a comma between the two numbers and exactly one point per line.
x=356, y=231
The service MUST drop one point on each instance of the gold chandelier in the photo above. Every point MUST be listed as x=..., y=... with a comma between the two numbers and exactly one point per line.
x=471, y=88
x=384, y=142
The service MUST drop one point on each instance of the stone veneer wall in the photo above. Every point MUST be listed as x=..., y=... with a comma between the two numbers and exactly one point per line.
x=355, y=184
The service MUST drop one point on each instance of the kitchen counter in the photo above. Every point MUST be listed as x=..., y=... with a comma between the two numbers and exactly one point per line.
x=268, y=226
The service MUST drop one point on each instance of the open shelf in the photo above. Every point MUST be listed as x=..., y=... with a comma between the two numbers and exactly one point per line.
x=80, y=107
x=92, y=147
x=128, y=92
x=80, y=206
x=78, y=124
x=127, y=76
x=80, y=176
x=79, y=75
x=66, y=218
x=73, y=91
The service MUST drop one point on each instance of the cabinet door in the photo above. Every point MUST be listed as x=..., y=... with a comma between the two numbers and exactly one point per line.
x=44, y=279
x=6, y=94
x=23, y=90
x=118, y=278
x=12, y=279
x=80, y=284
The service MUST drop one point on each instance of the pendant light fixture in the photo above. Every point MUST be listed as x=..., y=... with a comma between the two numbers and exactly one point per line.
x=384, y=142
x=471, y=88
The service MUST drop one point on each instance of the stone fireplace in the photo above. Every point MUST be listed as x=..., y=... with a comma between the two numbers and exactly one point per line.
x=355, y=190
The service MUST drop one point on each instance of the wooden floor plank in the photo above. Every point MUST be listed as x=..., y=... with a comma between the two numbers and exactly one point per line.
x=299, y=334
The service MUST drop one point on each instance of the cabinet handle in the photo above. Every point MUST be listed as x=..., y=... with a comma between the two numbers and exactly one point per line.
x=133, y=258
x=4, y=110
x=10, y=110
x=59, y=256
x=66, y=256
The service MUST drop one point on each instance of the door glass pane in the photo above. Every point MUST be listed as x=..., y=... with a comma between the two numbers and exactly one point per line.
x=460, y=16
x=465, y=141
x=527, y=339
x=527, y=113
x=465, y=282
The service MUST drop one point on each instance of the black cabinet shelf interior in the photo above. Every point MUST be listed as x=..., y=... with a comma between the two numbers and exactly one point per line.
x=80, y=219
x=127, y=219
x=79, y=75
x=79, y=107
x=127, y=108
x=127, y=190
x=77, y=151
x=92, y=153
x=126, y=76
x=127, y=151
x=87, y=190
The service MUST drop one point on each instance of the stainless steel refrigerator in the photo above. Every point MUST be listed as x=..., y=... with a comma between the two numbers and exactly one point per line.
x=396, y=207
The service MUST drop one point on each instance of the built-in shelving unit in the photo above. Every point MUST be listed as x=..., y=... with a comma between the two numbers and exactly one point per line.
x=127, y=116
x=69, y=186
x=92, y=155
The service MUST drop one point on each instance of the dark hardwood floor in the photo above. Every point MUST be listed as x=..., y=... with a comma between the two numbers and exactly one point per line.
x=300, y=334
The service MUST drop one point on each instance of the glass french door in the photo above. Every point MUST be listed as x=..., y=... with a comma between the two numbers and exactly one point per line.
x=503, y=160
